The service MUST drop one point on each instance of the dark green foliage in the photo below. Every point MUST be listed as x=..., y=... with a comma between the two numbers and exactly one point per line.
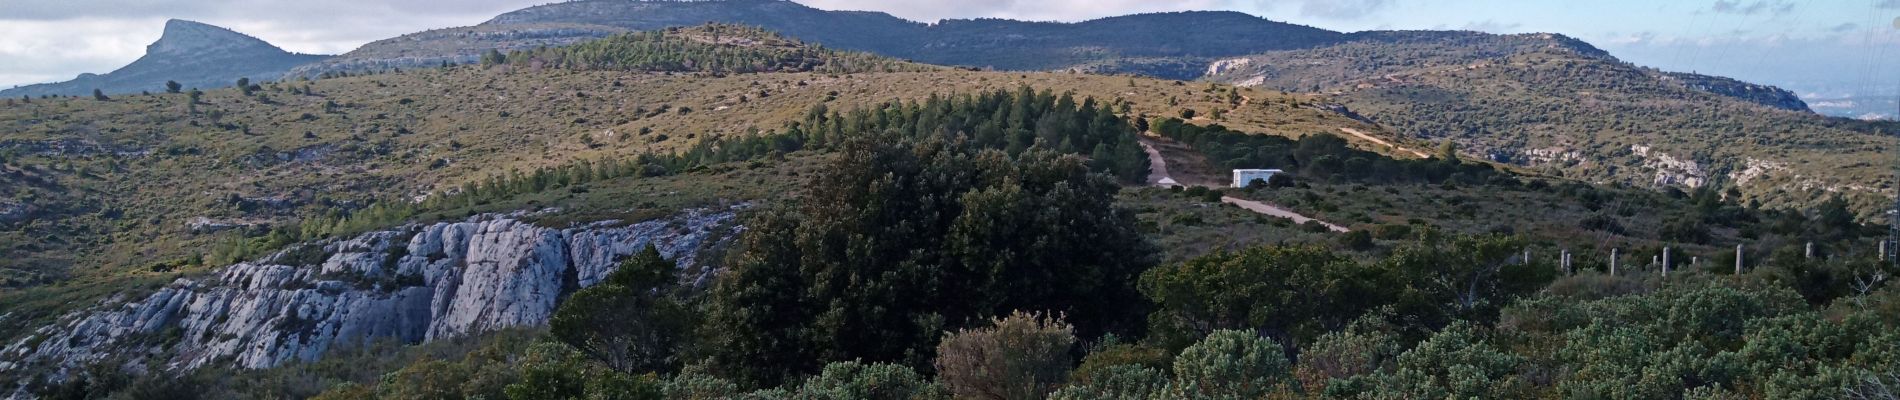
x=552, y=371
x=1703, y=335
x=1004, y=120
x=1282, y=292
x=1465, y=278
x=712, y=48
x=898, y=241
x=1298, y=293
x=630, y=322
x=494, y=57
x=1319, y=157
x=100, y=95
x=173, y=87
x=1359, y=240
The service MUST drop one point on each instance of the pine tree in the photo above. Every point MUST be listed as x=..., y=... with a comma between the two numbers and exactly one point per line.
x=99, y=95
x=173, y=87
x=1070, y=251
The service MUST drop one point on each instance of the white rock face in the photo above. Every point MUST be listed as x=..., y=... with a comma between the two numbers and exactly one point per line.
x=414, y=284
x=1671, y=171
x=1229, y=65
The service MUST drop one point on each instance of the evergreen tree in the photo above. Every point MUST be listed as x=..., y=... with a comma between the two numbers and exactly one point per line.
x=99, y=95
x=493, y=57
x=630, y=321
x=173, y=87
x=901, y=240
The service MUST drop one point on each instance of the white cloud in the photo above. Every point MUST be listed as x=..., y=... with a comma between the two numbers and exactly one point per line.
x=1342, y=9
x=1492, y=26
x=41, y=51
x=1777, y=7
x=55, y=40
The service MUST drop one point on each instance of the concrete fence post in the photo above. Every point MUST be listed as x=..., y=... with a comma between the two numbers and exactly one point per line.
x=1613, y=261
x=1665, y=262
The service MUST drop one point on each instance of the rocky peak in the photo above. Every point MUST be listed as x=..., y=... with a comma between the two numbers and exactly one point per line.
x=191, y=53
x=187, y=38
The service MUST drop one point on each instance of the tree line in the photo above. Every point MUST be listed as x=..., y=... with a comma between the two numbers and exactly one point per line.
x=1323, y=157
x=713, y=48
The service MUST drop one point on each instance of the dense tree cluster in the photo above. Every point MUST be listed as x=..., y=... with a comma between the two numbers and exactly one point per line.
x=1297, y=294
x=1012, y=121
x=903, y=239
x=1322, y=156
x=714, y=48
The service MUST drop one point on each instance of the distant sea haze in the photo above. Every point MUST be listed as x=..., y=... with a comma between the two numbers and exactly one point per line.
x=1860, y=107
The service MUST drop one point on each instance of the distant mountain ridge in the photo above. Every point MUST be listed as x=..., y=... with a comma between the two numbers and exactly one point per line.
x=1368, y=57
x=1179, y=45
x=194, y=54
x=992, y=43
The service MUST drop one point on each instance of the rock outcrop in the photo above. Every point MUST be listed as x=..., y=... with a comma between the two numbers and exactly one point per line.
x=195, y=55
x=413, y=284
x=1754, y=93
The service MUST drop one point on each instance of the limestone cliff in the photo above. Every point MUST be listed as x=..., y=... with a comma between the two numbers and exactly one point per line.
x=413, y=284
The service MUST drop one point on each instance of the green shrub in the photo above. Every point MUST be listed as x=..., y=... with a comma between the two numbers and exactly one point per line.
x=857, y=381
x=1230, y=365
x=1118, y=382
x=1024, y=356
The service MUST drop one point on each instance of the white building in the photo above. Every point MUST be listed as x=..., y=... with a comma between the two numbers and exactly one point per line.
x=1244, y=176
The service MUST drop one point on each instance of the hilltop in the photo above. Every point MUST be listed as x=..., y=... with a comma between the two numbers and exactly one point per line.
x=713, y=48
x=193, y=54
x=983, y=43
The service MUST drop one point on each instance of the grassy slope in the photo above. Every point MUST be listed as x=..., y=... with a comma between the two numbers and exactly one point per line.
x=359, y=139
x=1563, y=109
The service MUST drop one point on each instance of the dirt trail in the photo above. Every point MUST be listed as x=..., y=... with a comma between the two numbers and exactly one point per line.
x=1158, y=176
x=1362, y=135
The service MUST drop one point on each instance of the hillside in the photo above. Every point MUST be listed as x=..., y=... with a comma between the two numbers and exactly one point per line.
x=1559, y=107
x=431, y=49
x=991, y=43
x=193, y=54
x=142, y=181
x=714, y=48
x=707, y=211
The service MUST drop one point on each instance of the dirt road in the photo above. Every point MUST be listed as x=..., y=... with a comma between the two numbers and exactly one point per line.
x=1158, y=176
x=1362, y=135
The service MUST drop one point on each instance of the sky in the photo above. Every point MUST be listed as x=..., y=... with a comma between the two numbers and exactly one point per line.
x=1822, y=49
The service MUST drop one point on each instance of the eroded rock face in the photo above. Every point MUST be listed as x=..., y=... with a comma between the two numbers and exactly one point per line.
x=414, y=284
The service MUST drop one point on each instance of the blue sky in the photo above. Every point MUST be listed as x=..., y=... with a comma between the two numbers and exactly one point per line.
x=1822, y=48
